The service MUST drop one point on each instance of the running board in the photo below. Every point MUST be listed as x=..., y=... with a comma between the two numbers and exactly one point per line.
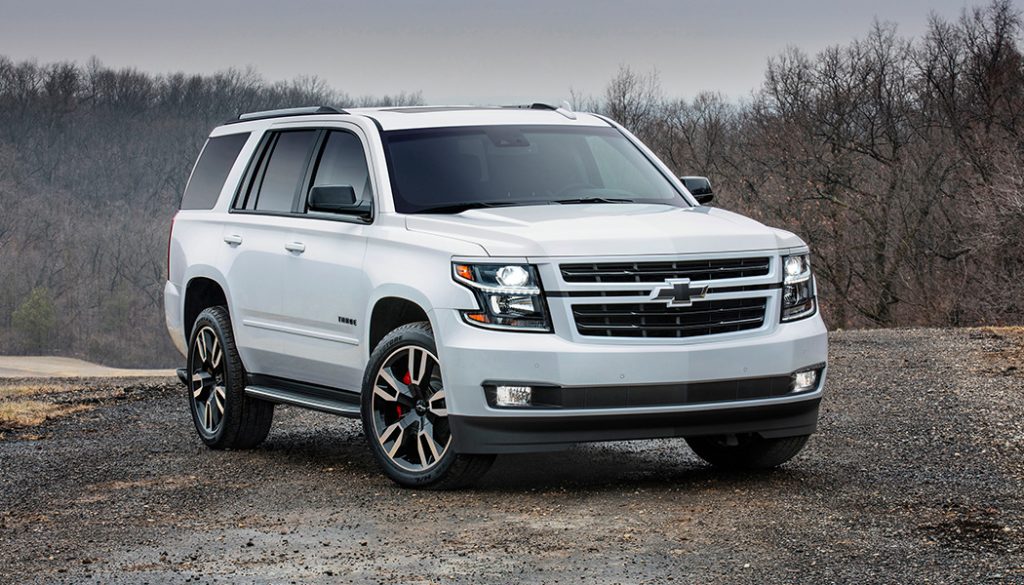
x=322, y=404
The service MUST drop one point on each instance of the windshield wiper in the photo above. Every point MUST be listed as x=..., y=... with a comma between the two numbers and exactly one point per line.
x=459, y=207
x=593, y=200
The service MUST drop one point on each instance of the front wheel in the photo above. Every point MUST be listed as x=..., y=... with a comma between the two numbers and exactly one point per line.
x=746, y=452
x=405, y=414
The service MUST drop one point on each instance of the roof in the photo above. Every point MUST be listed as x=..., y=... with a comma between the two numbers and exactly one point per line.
x=403, y=118
x=413, y=117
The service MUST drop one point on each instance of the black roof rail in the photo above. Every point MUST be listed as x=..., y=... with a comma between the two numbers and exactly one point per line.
x=282, y=113
x=564, y=110
x=533, y=106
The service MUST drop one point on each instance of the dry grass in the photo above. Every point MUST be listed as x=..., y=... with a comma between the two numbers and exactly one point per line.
x=20, y=409
x=1006, y=330
x=1008, y=356
x=29, y=403
x=29, y=413
x=7, y=392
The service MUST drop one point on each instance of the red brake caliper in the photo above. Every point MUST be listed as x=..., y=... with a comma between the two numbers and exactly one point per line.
x=406, y=379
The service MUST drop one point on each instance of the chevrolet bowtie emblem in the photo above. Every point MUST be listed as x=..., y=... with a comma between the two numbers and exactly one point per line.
x=677, y=292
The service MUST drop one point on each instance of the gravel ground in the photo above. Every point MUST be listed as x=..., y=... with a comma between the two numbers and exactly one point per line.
x=916, y=476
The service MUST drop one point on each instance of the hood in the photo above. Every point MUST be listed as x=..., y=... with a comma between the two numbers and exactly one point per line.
x=603, y=230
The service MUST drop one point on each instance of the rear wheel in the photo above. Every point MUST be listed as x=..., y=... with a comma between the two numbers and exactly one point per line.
x=405, y=414
x=746, y=452
x=225, y=417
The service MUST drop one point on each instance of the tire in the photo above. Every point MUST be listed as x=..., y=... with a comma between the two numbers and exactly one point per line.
x=746, y=452
x=224, y=416
x=405, y=414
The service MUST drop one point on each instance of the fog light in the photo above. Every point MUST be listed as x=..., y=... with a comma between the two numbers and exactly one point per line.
x=513, y=395
x=804, y=381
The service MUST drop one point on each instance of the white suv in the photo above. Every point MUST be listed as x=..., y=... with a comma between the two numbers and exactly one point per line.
x=480, y=280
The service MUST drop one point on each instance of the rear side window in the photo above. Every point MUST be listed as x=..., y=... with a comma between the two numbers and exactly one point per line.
x=212, y=170
x=284, y=170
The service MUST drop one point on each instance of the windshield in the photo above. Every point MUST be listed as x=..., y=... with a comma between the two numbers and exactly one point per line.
x=447, y=170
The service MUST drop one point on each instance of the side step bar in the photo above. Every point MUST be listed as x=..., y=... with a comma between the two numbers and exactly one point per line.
x=322, y=404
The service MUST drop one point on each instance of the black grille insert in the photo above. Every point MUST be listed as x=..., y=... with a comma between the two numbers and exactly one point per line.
x=639, y=395
x=659, y=320
x=659, y=271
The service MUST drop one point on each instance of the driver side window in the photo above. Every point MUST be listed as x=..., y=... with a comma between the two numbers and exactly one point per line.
x=342, y=162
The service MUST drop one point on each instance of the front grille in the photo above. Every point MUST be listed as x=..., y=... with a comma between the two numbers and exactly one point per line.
x=659, y=271
x=659, y=320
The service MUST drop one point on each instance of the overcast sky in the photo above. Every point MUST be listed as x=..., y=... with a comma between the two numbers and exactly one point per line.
x=454, y=51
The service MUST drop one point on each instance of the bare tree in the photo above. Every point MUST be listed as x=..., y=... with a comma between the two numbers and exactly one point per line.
x=93, y=161
x=634, y=99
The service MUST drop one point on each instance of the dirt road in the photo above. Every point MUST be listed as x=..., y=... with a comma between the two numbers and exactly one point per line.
x=60, y=367
x=916, y=476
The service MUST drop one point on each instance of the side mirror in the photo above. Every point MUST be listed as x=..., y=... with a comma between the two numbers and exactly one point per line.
x=700, y=188
x=340, y=199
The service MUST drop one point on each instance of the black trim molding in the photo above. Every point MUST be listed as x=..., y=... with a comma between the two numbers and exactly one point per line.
x=546, y=396
x=647, y=292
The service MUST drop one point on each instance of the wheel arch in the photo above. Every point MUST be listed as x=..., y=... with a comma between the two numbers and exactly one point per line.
x=389, y=312
x=201, y=292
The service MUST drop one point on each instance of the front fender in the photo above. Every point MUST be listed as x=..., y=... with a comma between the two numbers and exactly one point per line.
x=402, y=291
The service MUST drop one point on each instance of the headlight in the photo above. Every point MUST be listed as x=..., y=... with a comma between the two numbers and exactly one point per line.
x=509, y=296
x=798, y=300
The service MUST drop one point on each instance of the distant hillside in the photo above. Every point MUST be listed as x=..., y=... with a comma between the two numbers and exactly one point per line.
x=900, y=161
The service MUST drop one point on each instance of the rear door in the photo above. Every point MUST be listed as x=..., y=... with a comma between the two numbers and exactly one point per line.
x=256, y=236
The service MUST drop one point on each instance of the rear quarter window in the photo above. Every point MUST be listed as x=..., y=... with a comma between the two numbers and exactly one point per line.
x=212, y=170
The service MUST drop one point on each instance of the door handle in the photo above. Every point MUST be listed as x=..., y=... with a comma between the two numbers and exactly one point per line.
x=233, y=239
x=297, y=247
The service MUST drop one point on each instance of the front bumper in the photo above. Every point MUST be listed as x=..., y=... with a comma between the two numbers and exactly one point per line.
x=490, y=434
x=473, y=357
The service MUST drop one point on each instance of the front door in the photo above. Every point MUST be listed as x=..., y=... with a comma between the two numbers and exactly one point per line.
x=326, y=289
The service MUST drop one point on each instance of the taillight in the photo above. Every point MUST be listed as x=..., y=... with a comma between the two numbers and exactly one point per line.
x=170, y=232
